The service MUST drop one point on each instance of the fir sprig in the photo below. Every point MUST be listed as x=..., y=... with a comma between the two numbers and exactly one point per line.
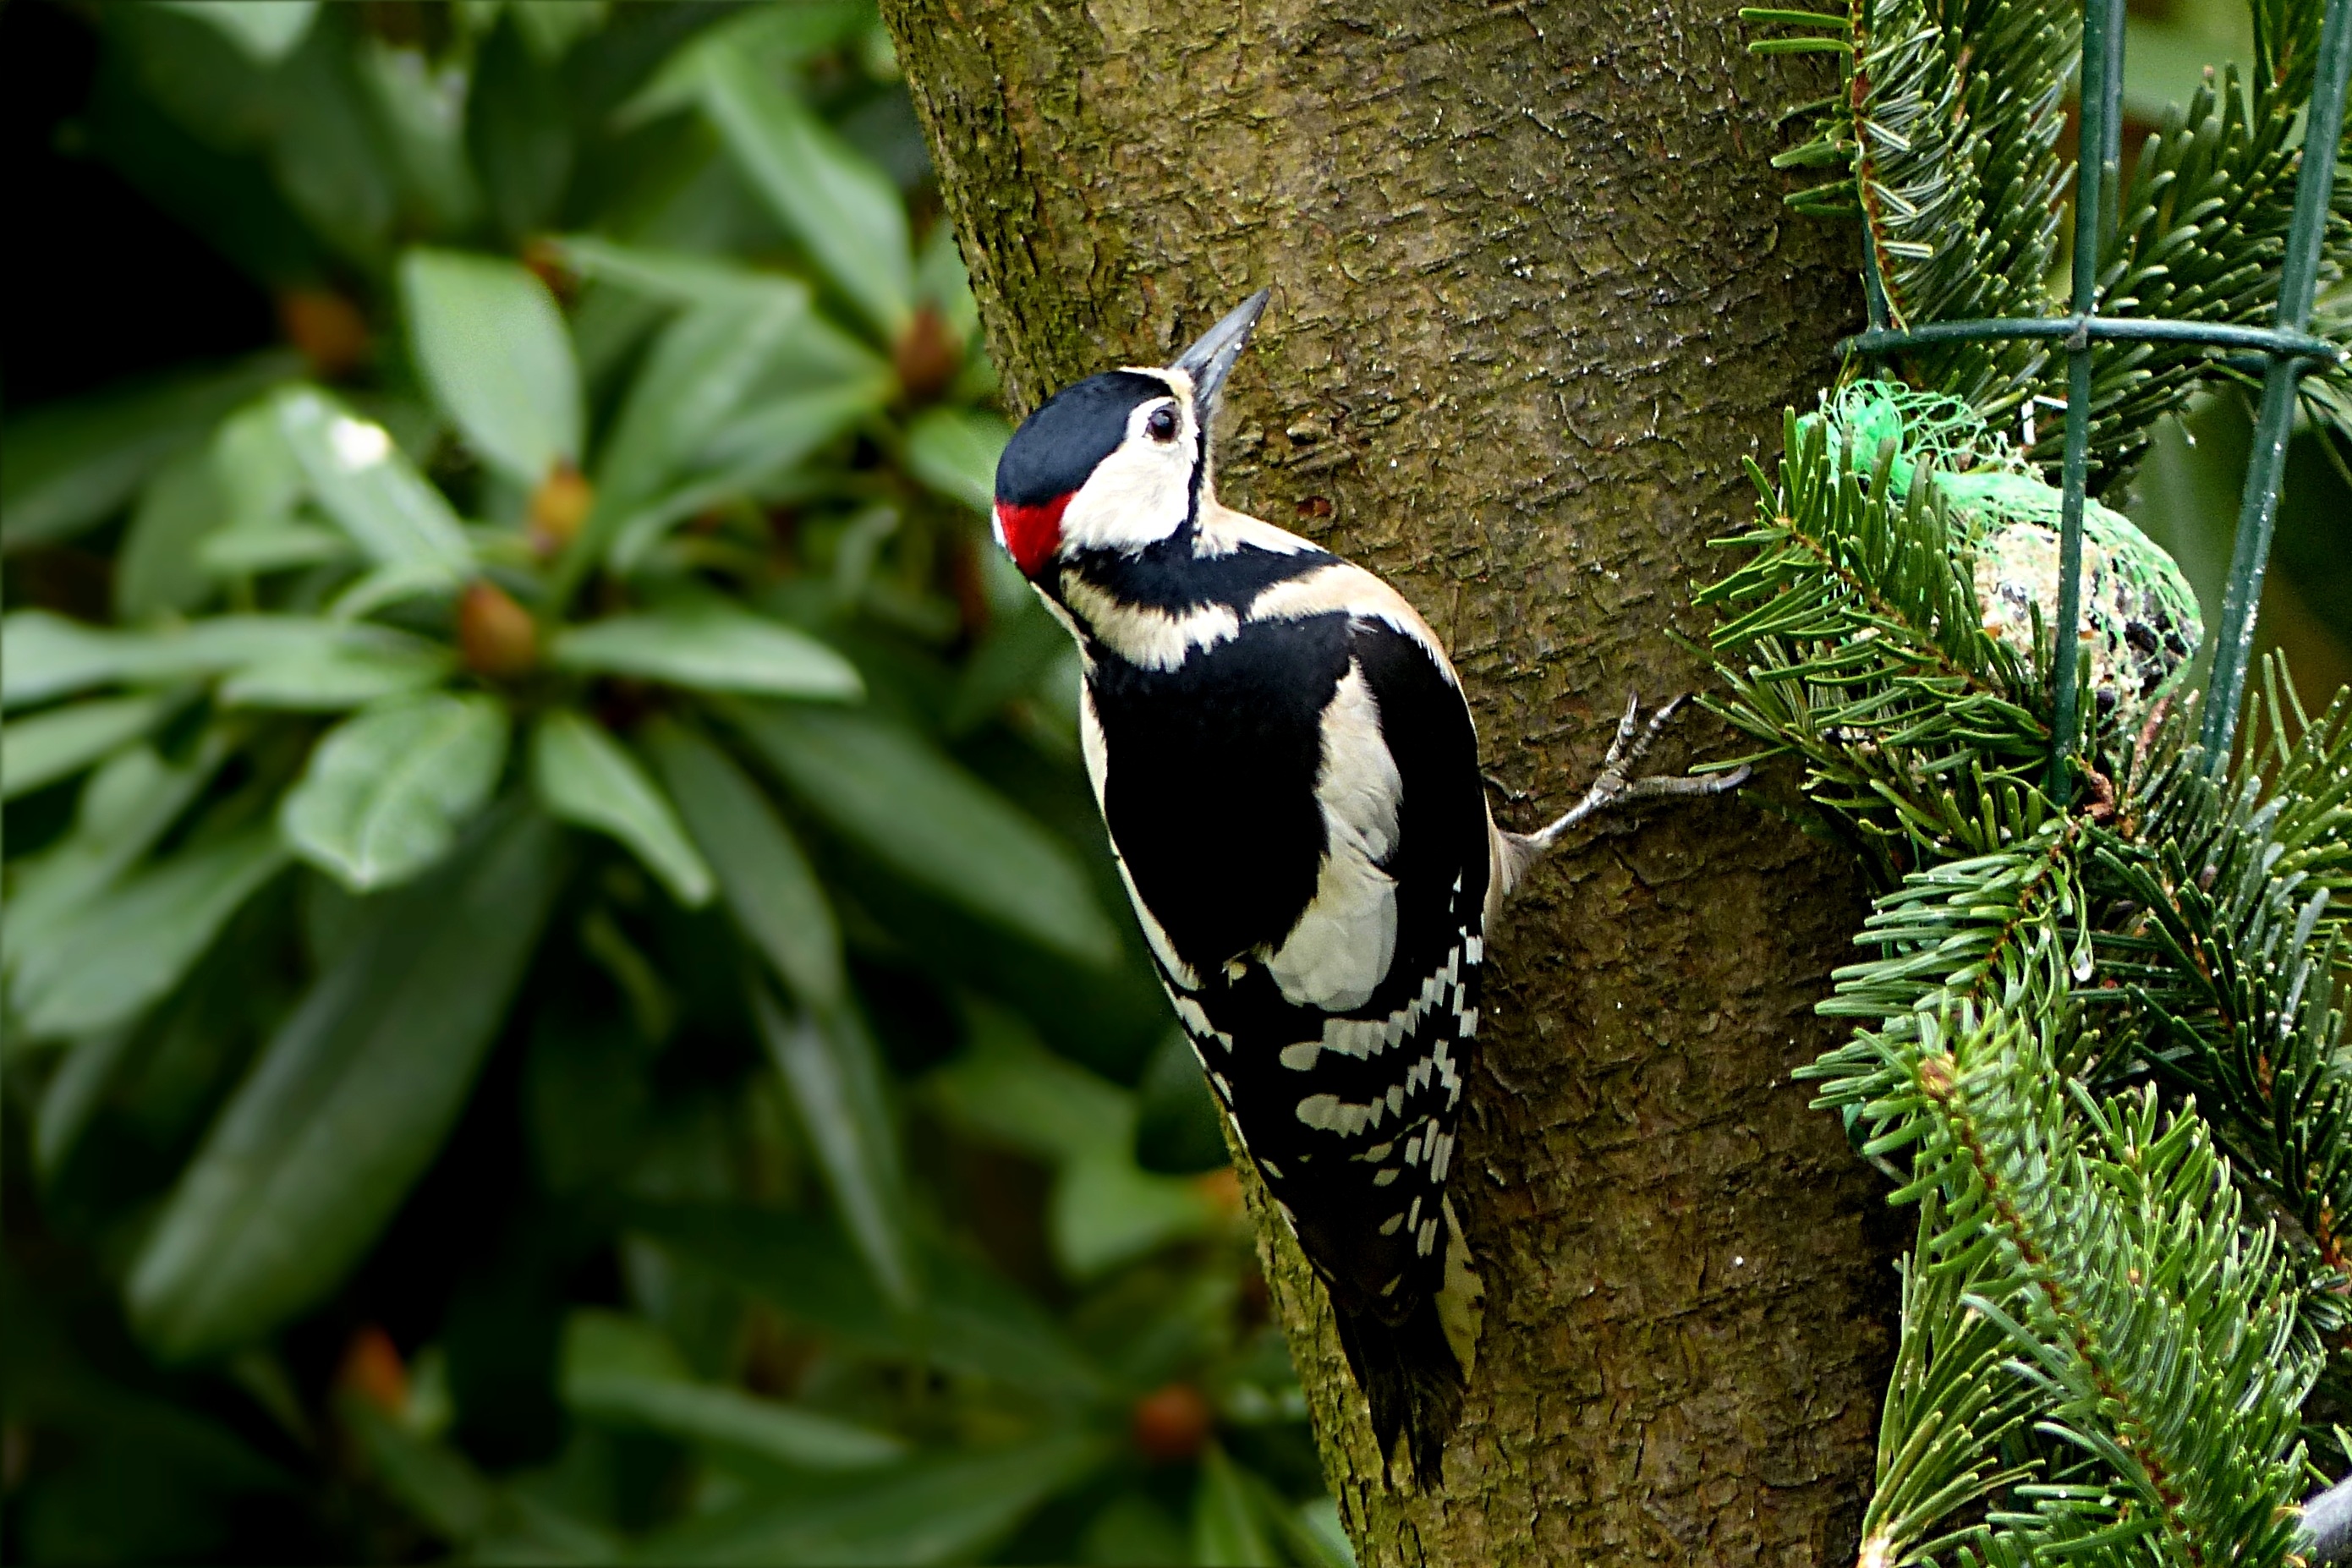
x=2227, y=952
x=1853, y=639
x=2100, y=1044
x=2172, y=926
x=2152, y=1327
x=1951, y=1406
x=1943, y=139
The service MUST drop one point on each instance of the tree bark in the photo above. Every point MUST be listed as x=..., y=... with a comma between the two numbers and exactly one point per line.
x=1535, y=299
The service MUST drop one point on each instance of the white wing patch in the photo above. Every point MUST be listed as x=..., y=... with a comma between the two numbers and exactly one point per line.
x=1338, y=951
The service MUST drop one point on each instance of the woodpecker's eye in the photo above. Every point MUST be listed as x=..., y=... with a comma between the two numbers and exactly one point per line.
x=1162, y=424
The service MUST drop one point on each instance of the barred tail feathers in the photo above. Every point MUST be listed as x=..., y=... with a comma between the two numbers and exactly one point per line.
x=1413, y=1371
x=1410, y=1379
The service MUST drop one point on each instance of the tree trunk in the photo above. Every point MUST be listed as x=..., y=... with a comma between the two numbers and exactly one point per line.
x=1535, y=298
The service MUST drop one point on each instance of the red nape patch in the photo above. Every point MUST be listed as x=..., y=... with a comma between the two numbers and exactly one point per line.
x=1029, y=533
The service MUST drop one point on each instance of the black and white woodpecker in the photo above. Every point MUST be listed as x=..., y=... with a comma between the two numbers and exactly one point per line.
x=1287, y=768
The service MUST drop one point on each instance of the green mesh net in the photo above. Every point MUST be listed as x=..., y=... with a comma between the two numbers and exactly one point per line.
x=2140, y=622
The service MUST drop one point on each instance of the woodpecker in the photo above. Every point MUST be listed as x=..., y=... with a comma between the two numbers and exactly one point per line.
x=1289, y=774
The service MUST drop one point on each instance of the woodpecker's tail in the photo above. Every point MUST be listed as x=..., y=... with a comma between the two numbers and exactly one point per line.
x=1412, y=1381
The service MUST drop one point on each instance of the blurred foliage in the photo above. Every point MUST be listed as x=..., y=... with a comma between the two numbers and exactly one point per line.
x=564, y=998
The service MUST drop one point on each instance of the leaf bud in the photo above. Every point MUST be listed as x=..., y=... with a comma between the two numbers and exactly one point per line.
x=927, y=357
x=327, y=328
x=1171, y=1424
x=558, y=506
x=496, y=636
x=372, y=1369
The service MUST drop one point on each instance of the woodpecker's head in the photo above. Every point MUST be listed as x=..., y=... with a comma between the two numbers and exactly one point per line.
x=1119, y=460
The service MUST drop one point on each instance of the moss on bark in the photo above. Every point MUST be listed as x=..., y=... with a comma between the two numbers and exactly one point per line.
x=1535, y=296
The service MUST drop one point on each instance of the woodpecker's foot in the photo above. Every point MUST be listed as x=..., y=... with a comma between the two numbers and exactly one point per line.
x=1613, y=789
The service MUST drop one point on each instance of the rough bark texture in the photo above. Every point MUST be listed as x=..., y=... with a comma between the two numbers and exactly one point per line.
x=1535, y=296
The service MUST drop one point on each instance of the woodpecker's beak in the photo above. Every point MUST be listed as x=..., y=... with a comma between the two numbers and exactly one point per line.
x=1211, y=360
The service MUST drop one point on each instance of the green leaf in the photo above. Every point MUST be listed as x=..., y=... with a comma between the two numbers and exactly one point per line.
x=349, y=1101
x=845, y=213
x=267, y=30
x=1133, y=1528
x=699, y=373
x=435, y=1483
x=677, y=277
x=419, y=120
x=1006, y=1087
x=552, y=27
x=398, y=583
x=696, y=376
x=441, y=1487
x=493, y=348
x=621, y=1371
x=702, y=1413
x=954, y=451
x=776, y=38
x=599, y=1343
x=932, y=822
x=328, y=152
x=836, y=1076
x=1316, y=1538
x=73, y=464
x=158, y=569
x=53, y=746
x=713, y=643
x=44, y=655
x=584, y=776
x=1104, y=1210
x=754, y=450
x=370, y=488
x=972, y=1321
x=1023, y=647
x=125, y=809
x=260, y=476
x=75, y=1085
x=1228, y=1528
x=772, y=436
x=387, y=790
x=120, y=952
x=250, y=551
x=340, y=677
x=519, y=129
x=937, y=1509
x=1176, y=1127
x=769, y=888
x=1107, y=1211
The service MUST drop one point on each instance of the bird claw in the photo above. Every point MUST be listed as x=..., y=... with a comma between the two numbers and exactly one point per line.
x=1612, y=788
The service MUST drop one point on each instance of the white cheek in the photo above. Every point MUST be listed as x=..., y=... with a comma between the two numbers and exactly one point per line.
x=1140, y=494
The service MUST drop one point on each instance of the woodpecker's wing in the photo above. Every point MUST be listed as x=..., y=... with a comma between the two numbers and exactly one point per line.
x=1340, y=1052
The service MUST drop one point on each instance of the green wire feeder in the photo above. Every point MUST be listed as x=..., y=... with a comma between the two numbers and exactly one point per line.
x=2139, y=620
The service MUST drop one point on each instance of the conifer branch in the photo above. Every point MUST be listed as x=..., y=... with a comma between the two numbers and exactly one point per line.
x=2155, y=1327
x=1944, y=141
